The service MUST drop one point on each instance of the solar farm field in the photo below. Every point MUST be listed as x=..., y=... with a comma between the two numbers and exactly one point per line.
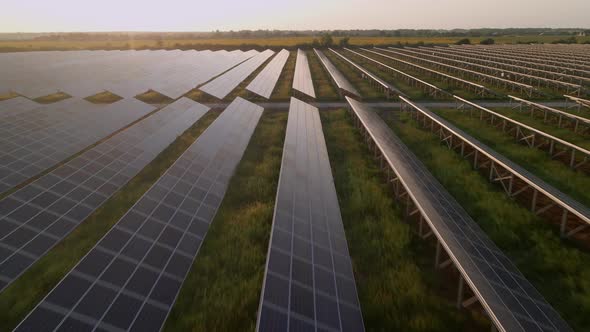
x=357, y=188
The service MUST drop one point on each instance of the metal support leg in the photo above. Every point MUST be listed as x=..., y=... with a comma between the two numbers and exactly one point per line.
x=460, y=291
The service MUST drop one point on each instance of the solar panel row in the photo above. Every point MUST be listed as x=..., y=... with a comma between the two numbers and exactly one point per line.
x=554, y=66
x=431, y=88
x=265, y=82
x=557, y=205
x=15, y=105
x=341, y=82
x=560, y=75
x=499, y=72
x=125, y=73
x=226, y=83
x=130, y=279
x=527, y=89
x=478, y=88
x=577, y=121
x=309, y=283
x=33, y=141
x=387, y=88
x=510, y=300
x=302, y=81
x=38, y=216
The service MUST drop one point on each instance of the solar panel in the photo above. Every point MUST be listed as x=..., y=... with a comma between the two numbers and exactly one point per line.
x=309, y=282
x=124, y=73
x=265, y=82
x=569, y=211
x=130, y=279
x=302, y=81
x=510, y=300
x=226, y=83
x=38, y=216
x=387, y=88
x=31, y=142
x=16, y=104
x=336, y=75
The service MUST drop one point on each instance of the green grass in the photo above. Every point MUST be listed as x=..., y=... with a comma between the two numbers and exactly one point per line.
x=386, y=75
x=241, y=91
x=323, y=86
x=538, y=162
x=282, y=91
x=353, y=75
x=550, y=128
x=440, y=83
x=222, y=291
x=154, y=97
x=398, y=287
x=238, y=91
x=560, y=272
x=52, y=98
x=105, y=97
x=28, y=290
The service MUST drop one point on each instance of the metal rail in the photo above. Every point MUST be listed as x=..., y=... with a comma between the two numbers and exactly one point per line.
x=505, y=74
x=543, y=199
x=431, y=89
x=493, y=62
x=578, y=124
x=526, y=89
x=386, y=88
x=468, y=85
x=458, y=238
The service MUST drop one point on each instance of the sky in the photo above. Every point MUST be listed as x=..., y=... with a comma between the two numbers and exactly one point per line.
x=197, y=15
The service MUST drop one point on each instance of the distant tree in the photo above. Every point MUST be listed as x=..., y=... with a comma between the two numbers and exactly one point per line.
x=487, y=41
x=570, y=40
x=315, y=43
x=327, y=40
x=464, y=41
x=344, y=42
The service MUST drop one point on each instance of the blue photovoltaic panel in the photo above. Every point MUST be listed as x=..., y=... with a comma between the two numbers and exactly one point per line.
x=130, y=279
x=302, y=81
x=265, y=82
x=226, y=83
x=33, y=141
x=336, y=75
x=309, y=283
x=510, y=300
x=38, y=216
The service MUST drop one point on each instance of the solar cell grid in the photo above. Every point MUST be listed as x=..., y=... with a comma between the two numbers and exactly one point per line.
x=124, y=73
x=309, y=282
x=302, y=80
x=36, y=140
x=510, y=300
x=336, y=75
x=138, y=267
x=265, y=82
x=16, y=105
x=42, y=213
x=226, y=83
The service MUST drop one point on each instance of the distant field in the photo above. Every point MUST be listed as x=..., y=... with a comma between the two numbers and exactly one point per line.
x=32, y=45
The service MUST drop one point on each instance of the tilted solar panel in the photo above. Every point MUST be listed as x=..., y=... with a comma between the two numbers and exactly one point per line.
x=130, y=279
x=309, y=282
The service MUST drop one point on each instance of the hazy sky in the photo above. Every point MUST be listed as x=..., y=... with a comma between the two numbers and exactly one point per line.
x=197, y=15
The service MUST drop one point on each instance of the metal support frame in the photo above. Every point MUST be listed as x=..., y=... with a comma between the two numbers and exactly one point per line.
x=512, y=183
x=412, y=211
